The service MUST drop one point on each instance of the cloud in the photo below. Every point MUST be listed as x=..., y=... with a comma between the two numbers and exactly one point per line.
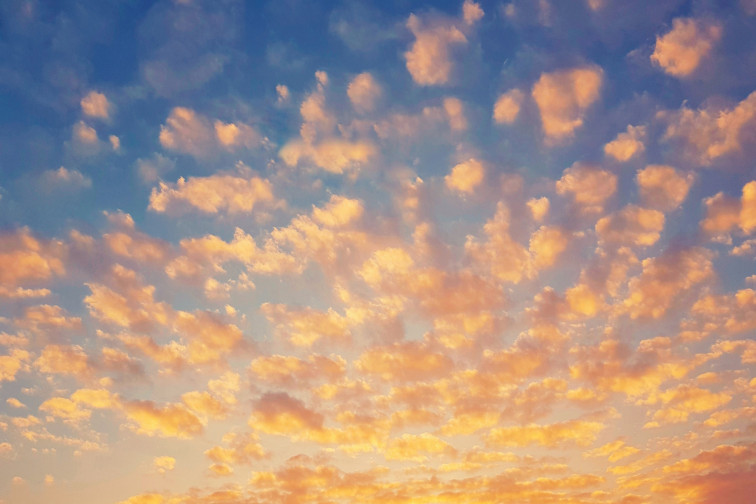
x=590, y=186
x=364, y=92
x=417, y=448
x=577, y=432
x=725, y=213
x=712, y=132
x=632, y=225
x=627, y=145
x=154, y=168
x=128, y=242
x=507, y=106
x=318, y=141
x=24, y=258
x=209, y=337
x=164, y=464
x=129, y=303
x=665, y=279
x=455, y=112
x=171, y=420
x=188, y=132
x=429, y=59
x=96, y=104
x=304, y=326
x=563, y=98
x=662, y=187
x=408, y=361
x=11, y=364
x=65, y=359
x=539, y=208
x=290, y=371
x=466, y=176
x=506, y=258
x=680, y=51
x=65, y=179
x=684, y=400
x=231, y=193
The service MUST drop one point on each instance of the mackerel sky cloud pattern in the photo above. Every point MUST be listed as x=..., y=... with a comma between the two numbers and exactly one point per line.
x=377, y=252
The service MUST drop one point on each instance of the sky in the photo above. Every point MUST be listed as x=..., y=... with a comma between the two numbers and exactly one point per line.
x=383, y=252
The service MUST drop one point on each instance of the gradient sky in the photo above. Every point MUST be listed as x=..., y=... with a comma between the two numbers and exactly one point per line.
x=377, y=252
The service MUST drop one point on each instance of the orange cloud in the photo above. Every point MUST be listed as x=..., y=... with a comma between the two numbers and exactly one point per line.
x=627, y=145
x=680, y=51
x=214, y=194
x=578, y=432
x=563, y=98
x=589, y=186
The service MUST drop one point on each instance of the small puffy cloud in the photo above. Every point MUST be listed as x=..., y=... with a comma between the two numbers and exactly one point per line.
x=334, y=155
x=186, y=131
x=632, y=225
x=304, y=326
x=11, y=364
x=63, y=178
x=129, y=303
x=466, y=176
x=126, y=241
x=282, y=91
x=231, y=193
x=576, y=432
x=115, y=142
x=287, y=370
x=231, y=136
x=407, y=361
x=96, y=104
x=472, y=12
x=65, y=359
x=662, y=187
x=455, y=112
x=164, y=464
x=684, y=400
x=417, y=448
x=84, y=134
x=24, y=258
x=209, y=336
x=507, y=106
x=363, y=92
x=189, y=132
x=546, y=246
x=627, y=144
x=429, y=60
x=614, y=451
x=665, y=279
x=538, y=207
x=680, y=51
x=725, y=213
x=590, y=186
x=65, y=409
x=506, y=258
x=171, y=420
x=279, y=413
x=14, y=403
x=319, y=141
x=563, y=98
x=710, y=133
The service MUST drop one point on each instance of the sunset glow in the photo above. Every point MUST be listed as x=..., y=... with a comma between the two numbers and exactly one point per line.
x=377, y=252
